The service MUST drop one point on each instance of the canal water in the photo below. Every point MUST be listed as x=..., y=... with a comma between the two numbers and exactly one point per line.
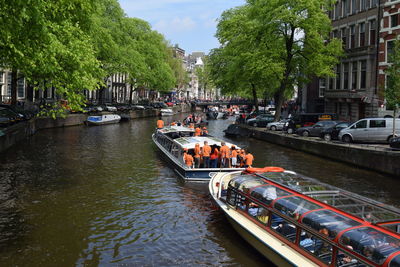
x=103, y=196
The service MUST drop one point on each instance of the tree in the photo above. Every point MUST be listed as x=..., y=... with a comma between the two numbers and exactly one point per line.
x=53, y=51
x=275, y=44
x=392, y=91
x=204, y=75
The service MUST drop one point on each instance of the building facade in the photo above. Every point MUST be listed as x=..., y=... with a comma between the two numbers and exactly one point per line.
x=353, y=93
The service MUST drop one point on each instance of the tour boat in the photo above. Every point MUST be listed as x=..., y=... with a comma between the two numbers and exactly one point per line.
x=103, y=119
x=172, y=140
x=294, y=220
x=167, y=112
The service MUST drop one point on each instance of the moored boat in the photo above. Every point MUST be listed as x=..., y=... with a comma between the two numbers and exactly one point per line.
x=296, y=220
x=172, y=141
x=103, y=119
x=166, y=112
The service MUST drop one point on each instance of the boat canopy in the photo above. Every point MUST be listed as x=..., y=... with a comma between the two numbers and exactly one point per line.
x=350, y=220
x=172, y=129
x=190, y=141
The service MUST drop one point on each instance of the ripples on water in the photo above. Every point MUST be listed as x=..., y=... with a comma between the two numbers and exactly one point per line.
x=90, y=196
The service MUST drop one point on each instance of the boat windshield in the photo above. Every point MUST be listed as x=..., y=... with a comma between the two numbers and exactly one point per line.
x=330, y=220
x=395, y=262
x=268, y=193
x=371, y=243
x=245, y=182
x=295, y=206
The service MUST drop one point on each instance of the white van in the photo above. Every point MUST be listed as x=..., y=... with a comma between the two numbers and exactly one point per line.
x=373, y=130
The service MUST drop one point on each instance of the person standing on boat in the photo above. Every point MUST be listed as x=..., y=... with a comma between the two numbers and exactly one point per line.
x=214, y=157
x=197, y=131
x=248, y=159
x=204, y=132
x=206, y=150
x=225, y=155
x=233, y=156
x=187, y=158
x=197, y=155
x=160, y=123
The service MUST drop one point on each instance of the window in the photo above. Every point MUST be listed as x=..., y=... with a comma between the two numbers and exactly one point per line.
x=377, y=124
x=389, y=50
x=322, y=87
x=363, y=4
x=337, y=9
x=394, y=20
x=338, y=77
x=1, y=77
x=372, y=32
x=283, y=227
x=352, y=36
x=259, y=213
x=353, y=7
x=362, y=34
x=9, y=78
x=344, y=259
x=344, y=7
x=344, y=39
x=316, y=246
x=363, y=74
x=21, y=87
x=345, y=76
x=361, y=124
x=354, y=75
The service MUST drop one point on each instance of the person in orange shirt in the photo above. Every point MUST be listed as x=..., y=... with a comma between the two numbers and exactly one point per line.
x=206, y=151
x=197, y=131
x=214, y=157
x=189, y=161
x=160, y=123
x=191, y=126
x=241, y=158
x=173, y=123
x=233, y=157
x=225, y=155
x=197, y=155
x=248, y=159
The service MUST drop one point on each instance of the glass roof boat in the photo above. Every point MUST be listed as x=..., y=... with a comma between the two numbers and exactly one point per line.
x=297, y=220
x=172, y=140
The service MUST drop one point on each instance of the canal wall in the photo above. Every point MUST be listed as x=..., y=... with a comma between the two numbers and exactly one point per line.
x=17, y=132
x=377, y=159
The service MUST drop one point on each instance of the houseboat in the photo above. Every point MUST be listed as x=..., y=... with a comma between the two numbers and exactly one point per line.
x=172, y=141
x=103, y=119
x=298, y=221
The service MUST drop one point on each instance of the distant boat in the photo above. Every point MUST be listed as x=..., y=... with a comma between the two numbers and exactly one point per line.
x=167, y=112
x=103, y=119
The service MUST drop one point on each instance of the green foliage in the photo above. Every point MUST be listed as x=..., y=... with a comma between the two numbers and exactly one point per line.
x=392, y=91
x=273, y=45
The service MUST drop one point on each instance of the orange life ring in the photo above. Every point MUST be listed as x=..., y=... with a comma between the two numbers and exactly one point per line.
x=265, y=169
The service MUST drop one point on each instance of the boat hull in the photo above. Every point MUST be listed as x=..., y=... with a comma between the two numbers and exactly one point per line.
x=102, y=120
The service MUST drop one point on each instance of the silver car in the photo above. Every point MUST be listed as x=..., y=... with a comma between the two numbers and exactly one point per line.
x=373, y=130
x=276, y=125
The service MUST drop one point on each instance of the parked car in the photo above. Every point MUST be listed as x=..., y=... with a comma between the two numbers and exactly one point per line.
x=22, y=114
x=254, y=114
x=306, y=119
x=332, y=133
x=261, y=120
x=315, y=129
x=276, y=125
x=373, y=130
x=395, y=143
x=8, y=117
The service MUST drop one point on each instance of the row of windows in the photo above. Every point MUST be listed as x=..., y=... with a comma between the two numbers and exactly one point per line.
x=349, y=7
x=355, y=35
x=349, y=76
x=119, y=78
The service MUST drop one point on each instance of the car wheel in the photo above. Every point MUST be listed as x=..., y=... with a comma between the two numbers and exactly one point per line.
x=327, y=137
x=290, y=131
x=255, y=124
x=306, y=133
x=273, y=128
x=347, y=139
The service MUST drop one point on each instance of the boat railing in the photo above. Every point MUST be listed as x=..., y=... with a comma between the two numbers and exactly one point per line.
x=322, y=192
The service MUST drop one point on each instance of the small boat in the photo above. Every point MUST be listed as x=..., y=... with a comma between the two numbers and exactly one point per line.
x=103, y=119
x=172, y=140
x=167, y=112
x=294, y=220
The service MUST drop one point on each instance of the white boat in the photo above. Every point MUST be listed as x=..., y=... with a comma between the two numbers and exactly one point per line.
x=295, y=220
x=172, y=141
x=103, y=119
x=167, y=112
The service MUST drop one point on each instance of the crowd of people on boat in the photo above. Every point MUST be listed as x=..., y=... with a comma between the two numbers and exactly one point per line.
x=214, y=156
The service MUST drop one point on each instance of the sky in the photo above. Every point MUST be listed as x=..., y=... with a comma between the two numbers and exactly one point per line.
x=189, y=23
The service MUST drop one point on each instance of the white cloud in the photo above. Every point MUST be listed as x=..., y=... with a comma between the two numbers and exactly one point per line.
x=175, y=25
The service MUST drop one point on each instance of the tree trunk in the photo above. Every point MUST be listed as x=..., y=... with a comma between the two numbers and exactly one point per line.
x=255, y=99
x=394, y=120
x=14, y=81
x=279, y=97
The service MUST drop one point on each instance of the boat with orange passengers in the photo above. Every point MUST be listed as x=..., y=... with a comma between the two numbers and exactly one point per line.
x=295, y=220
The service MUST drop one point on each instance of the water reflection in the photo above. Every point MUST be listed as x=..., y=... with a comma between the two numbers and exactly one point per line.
x=103, y=195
